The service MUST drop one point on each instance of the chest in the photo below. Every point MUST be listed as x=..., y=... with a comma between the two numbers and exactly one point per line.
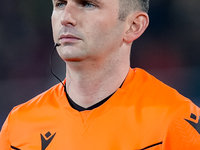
x=114, y=130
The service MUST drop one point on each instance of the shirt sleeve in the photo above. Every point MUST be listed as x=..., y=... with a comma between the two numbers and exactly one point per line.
x=184, y=130
x=4, y=138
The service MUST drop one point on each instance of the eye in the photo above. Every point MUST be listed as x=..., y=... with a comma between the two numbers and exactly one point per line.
x=60, y=4
x=87, y=4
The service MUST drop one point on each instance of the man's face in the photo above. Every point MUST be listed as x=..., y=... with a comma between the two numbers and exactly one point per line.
x=86, y=30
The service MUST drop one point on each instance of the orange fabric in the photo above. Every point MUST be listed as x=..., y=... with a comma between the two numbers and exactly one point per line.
x=143, y=114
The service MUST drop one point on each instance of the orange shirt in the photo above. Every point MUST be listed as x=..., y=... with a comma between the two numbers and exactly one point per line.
x=143, y=114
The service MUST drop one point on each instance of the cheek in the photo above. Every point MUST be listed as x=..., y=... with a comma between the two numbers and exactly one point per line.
x=54, y=22
x=104, y=31
x=98, y=29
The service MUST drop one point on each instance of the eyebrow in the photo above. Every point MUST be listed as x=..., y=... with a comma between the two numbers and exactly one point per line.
x=57, y=0
x=95, y=1
x=79, y=1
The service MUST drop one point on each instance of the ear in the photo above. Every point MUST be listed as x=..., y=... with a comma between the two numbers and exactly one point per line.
x=137, y=23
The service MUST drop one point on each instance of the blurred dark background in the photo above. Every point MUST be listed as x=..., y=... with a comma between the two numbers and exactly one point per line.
x=169, y=49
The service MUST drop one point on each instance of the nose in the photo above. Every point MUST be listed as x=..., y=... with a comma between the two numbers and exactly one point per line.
x=68, y=15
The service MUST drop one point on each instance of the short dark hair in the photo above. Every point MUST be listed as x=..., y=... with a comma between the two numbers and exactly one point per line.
x=127, y=6
x=144, y=5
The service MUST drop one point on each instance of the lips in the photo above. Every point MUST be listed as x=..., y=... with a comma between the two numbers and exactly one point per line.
x=68, y=38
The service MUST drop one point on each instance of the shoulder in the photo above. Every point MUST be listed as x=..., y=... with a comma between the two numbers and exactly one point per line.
x=153, y=90
x=36, y=105
x=183, y=125
x=27, y=115
x=184, y=129
x=149, y=93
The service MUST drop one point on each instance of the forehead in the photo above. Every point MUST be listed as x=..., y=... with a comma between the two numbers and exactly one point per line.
x=95, y=1
x=102, y=4
x=80, y=0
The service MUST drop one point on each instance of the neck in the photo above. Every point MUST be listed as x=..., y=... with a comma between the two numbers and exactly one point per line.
x=89, y=86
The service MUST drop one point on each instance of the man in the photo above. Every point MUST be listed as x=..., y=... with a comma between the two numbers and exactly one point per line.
x=103, y=105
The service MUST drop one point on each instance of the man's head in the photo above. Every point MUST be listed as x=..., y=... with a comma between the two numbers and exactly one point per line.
x=128, y=6
x=92, y=30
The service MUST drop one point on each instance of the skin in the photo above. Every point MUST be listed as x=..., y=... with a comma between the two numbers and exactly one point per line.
x=95, y=46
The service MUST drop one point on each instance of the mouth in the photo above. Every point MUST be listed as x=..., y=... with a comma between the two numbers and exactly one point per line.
x=68, y=38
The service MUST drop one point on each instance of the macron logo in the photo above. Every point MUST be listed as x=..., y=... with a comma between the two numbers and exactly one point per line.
x=196, y=126
x=46, y=140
